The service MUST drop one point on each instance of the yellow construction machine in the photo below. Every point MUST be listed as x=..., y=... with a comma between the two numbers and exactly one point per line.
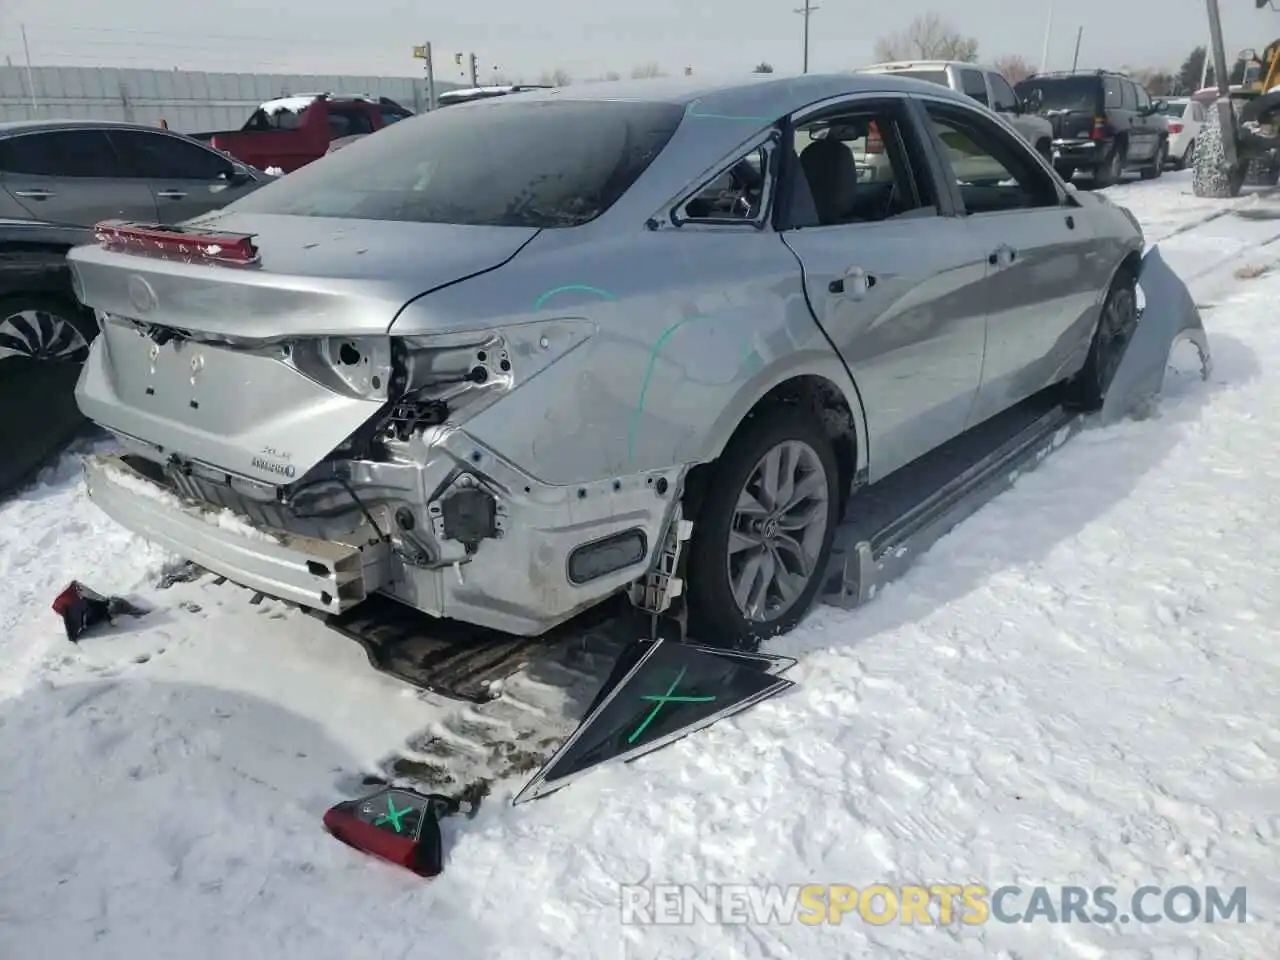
x=1240, y=142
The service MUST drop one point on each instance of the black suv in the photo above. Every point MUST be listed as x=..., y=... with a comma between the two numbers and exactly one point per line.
x=1103, y=123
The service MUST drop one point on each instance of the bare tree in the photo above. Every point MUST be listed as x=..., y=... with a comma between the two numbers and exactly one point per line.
x=555, y=78
x=1013, y=68
x=764, y=66
x=1158, y=83
x=647, y=71
x=927, y=37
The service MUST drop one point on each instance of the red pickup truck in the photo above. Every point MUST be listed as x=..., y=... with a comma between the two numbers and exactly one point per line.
x=291, y=132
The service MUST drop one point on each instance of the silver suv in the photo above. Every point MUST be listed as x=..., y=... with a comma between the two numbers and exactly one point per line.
x=980, y=83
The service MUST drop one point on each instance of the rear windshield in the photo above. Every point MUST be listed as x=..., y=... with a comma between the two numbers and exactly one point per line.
x=1060, y=93
x=496, y=162
x=1173, y=108
x=933, y=76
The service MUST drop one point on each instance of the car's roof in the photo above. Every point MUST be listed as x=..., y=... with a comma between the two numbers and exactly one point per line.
x=22, y=126
x=890, y=65
x=763, y=95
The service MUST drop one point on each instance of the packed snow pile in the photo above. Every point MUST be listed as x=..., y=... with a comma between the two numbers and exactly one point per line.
x=1075, y=689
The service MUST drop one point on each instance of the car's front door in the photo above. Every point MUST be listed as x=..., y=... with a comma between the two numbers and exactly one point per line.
x=71, y=176
x=892, y=276
x=1042, y=271
x=185, y=178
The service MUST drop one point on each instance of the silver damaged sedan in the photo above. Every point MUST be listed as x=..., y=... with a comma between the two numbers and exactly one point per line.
x=496, y=360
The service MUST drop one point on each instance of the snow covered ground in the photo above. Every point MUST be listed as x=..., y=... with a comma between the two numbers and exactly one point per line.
x=1078, y=686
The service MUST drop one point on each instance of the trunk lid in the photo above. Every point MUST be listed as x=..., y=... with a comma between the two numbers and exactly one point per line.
x=316, y=276
x=244, y=406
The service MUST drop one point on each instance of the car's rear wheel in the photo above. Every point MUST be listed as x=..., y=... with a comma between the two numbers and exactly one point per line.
x=762, y=536
x=43, y=344
x=1157, y=165
x=1188, y=155
x=1111, y=169
x=37, y=327
x=1116, y=324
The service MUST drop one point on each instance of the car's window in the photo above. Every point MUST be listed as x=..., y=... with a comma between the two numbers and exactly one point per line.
x=60, y=153
x=1144, y=98
x=278, y=118
x=344, y=121
x=389, y=114
x=972, y=84
x=158, y=156
x=736, y=194
x=1197, y=112
x=1128, y=95
x=1002, y=95
x=861, y=166
x=1060, y=93
x=1175, y=108
x=1114, y=98
x=932, y=76
x=995, y=172
x=500, y=162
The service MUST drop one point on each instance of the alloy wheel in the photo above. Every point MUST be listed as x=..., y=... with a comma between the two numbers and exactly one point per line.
x=778, y=529
x=1119, y=318
x=41, y=335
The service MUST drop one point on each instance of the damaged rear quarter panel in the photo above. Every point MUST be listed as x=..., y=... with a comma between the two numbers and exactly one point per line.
x=692, y=327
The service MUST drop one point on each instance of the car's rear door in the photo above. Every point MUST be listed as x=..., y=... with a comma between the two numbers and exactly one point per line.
x=1148, y=124
x=1043, y=277
x=185, y=178
x=892, y=277
x=71, y=176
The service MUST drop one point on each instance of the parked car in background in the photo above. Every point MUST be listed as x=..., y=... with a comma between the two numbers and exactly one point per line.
x=44, y=338
x=630, y=317
x=57, y=179
x=471, y=94
x=984, y=84
x=1103, y=123
x=336, y=145
x=290, y=132
x=1183, y=119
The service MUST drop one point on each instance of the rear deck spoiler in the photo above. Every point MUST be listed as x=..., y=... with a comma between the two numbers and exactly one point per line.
x=173, y=242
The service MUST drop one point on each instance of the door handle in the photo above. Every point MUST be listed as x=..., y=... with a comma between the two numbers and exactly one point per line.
x=170, y=194
x=35, y=194
x=855, y=283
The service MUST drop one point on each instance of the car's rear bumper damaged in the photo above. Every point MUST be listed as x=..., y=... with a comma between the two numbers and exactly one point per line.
x=519, y=557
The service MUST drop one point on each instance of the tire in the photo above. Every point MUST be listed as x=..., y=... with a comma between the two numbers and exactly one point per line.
x=1111, y=170
x=1116, y=323
x=1154, y=171
x=43, y=343
x=1188, y=155
x=1210, y=176
x=42, y=327
x=797, y=437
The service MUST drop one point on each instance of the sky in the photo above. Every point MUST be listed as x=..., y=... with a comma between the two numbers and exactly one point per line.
x=588, y=38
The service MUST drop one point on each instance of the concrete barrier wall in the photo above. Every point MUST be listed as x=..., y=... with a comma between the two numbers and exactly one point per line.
x=190, y=102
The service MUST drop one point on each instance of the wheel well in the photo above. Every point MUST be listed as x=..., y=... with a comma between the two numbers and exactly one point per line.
x=828, y=405
x=1129, y=266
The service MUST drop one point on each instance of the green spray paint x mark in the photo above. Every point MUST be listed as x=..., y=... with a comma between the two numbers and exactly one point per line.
x=392, y=816
x=571, y=288
x=664, y=699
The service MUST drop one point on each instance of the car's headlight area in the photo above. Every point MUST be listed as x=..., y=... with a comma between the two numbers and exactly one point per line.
x=451, y=377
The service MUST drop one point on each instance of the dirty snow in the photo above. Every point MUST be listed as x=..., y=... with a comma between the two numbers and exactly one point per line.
x=1078, y=686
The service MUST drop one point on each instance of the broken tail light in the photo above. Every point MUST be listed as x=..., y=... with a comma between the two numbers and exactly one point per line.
x=176, y=243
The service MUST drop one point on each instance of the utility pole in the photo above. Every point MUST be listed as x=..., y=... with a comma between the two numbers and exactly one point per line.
x=431, y=76
x=806, y=11
x=1048, y=31
x=31, y=81
x=475, y=76
x=1076, y=59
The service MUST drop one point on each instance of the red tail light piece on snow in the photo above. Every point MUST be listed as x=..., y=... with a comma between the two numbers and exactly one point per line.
x=81, y=608
x=399, y=826
x=236, y=249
